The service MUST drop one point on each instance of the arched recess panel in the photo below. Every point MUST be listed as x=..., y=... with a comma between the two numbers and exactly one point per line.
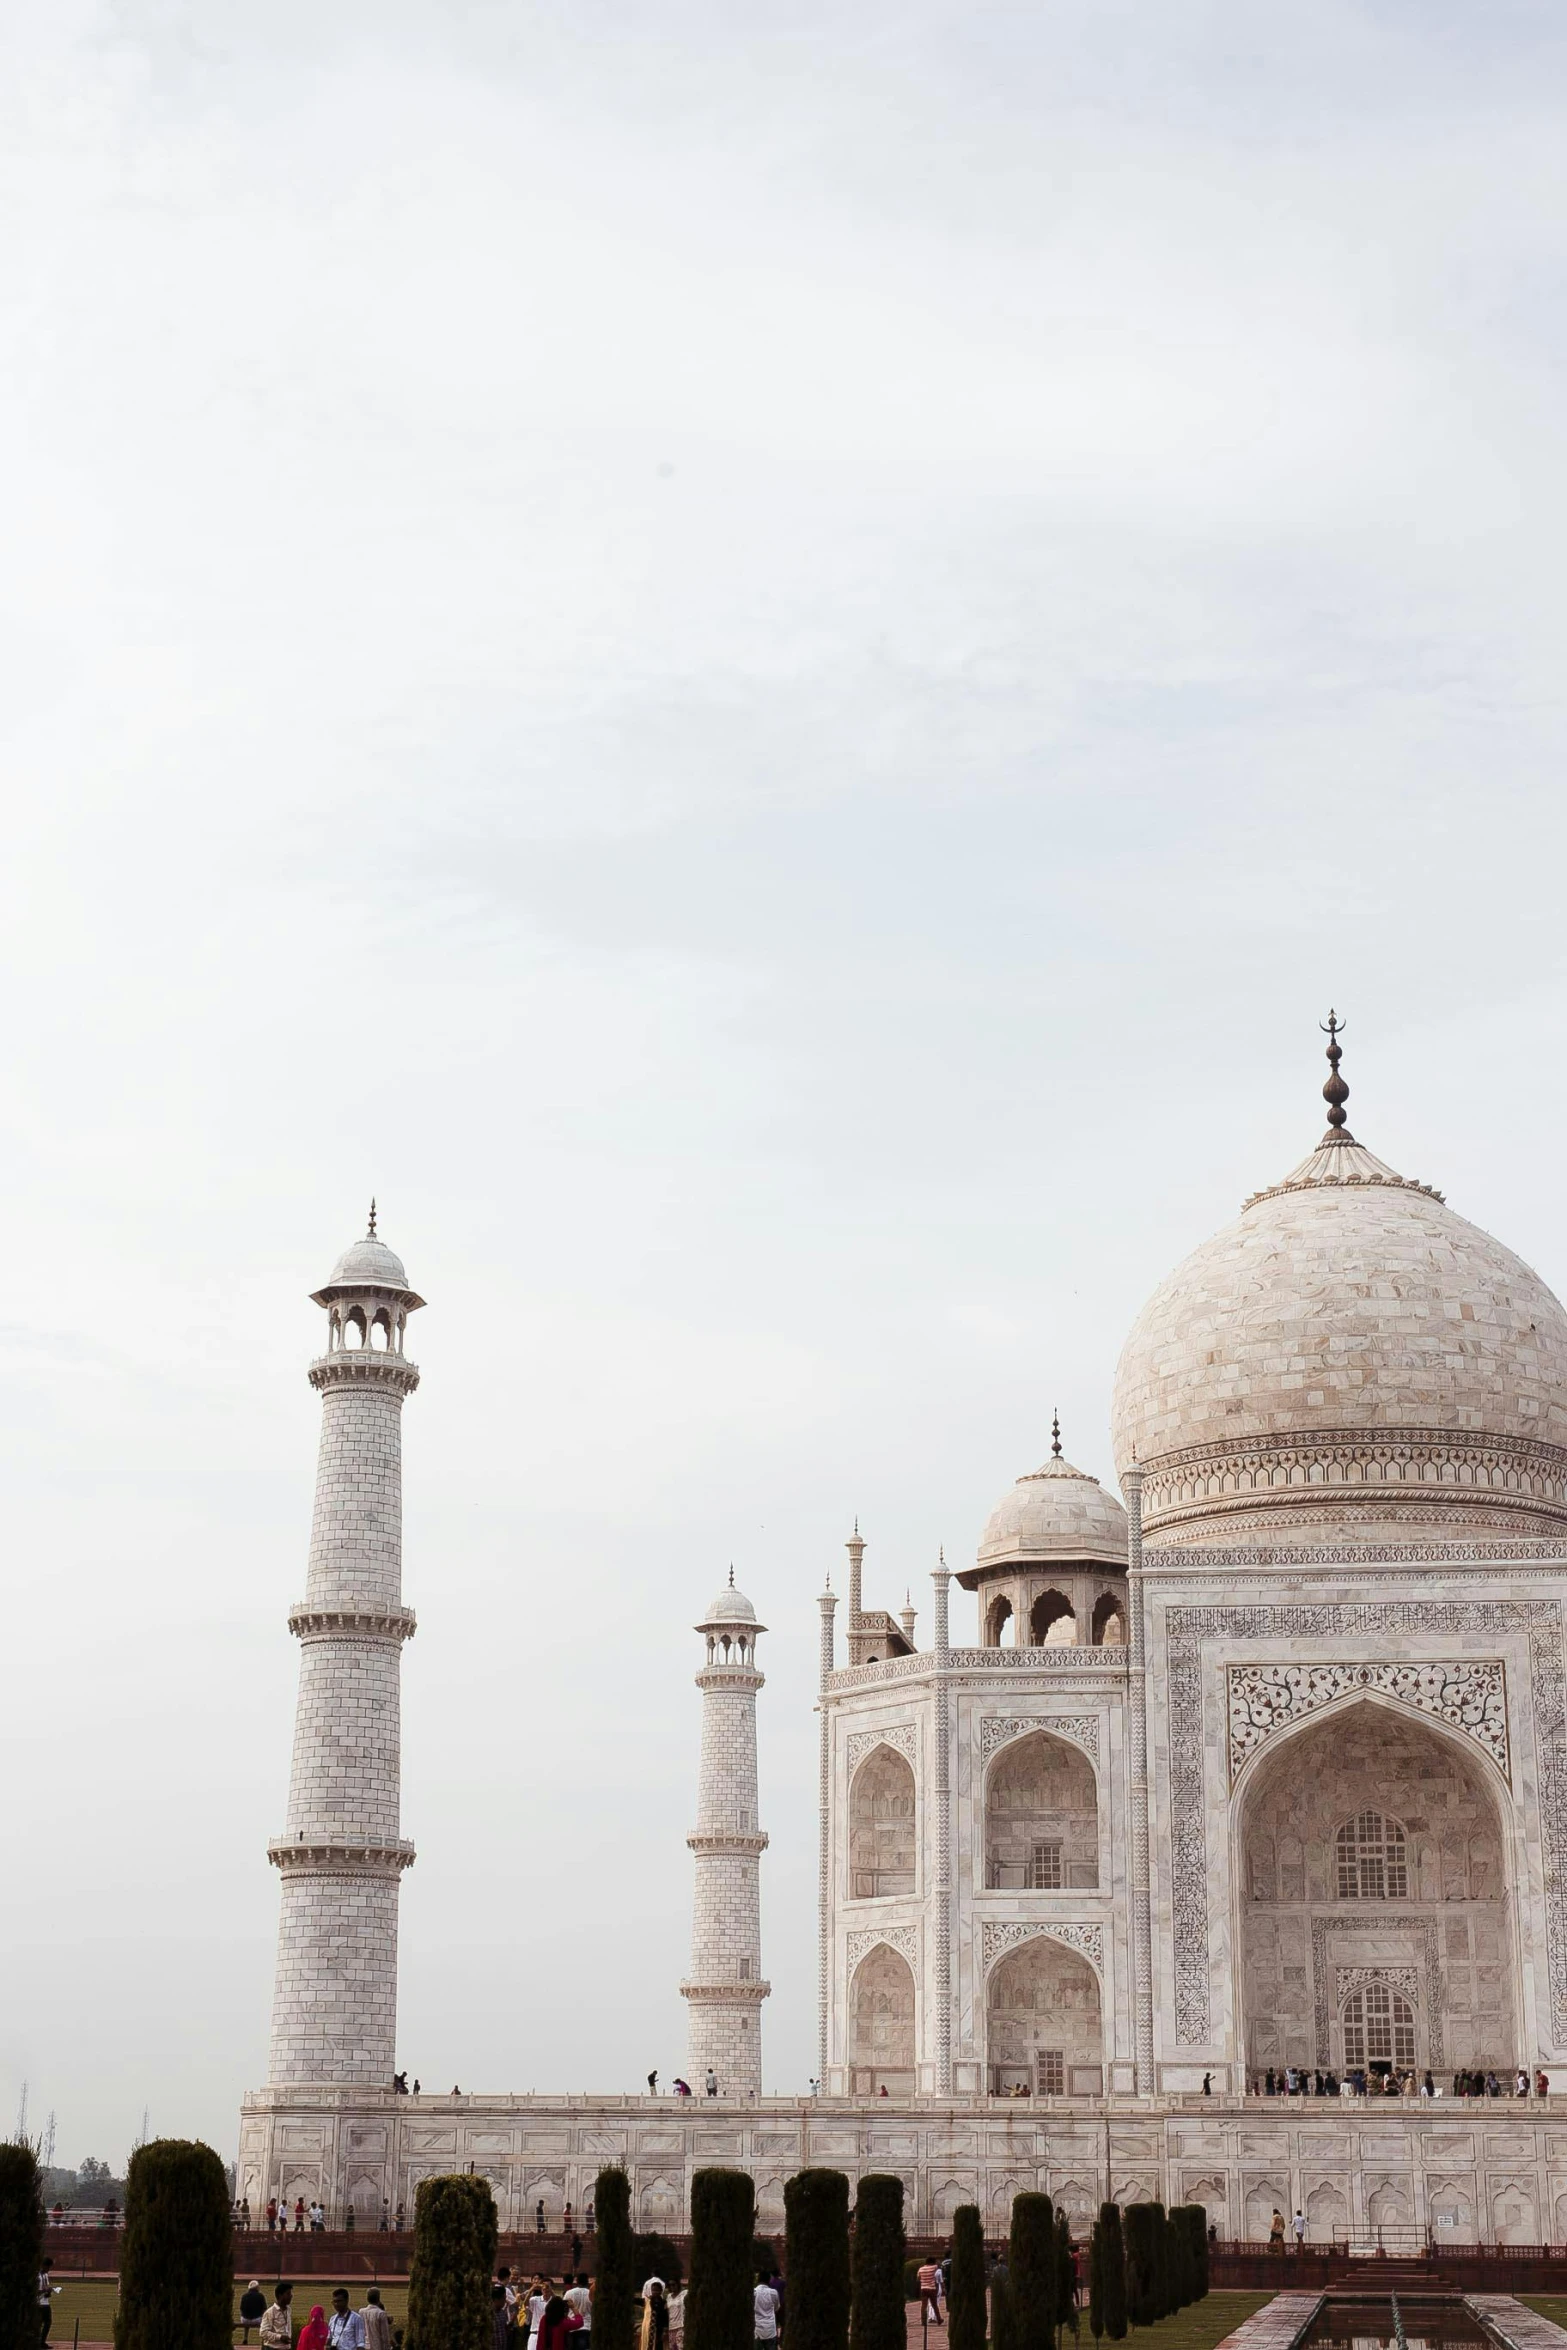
x=881, y=2023
x=881, y=1826
x=1044, y=2030
x=1041, y=1817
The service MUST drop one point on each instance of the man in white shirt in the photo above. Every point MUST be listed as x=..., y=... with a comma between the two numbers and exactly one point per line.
x=345, y=2328
x=579, y=2298
x=765, y=2302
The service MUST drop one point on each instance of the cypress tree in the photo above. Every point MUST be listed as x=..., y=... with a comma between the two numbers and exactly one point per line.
x=177, y=2254
x=22, y=2247
x=816, y=2260
x=1138, y=2226
x=1096, y=2280
x=1163, y=2274
x=615, y=2271
x=449, y=2306
x=876, y=2307
x=720, y=2311
x=1112, y=2261
x=966, y=2292
x=1198, y=2222
x=1031, y=2264
x=1066, y=2277
x=1003, y=2311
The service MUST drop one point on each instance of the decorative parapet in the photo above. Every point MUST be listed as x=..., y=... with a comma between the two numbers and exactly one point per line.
x=339, y=1856
x=726, y=1840
x=1468, y=1694
x=1004, y=1934
x=363, y=1623
x=726, y=1994
x=973, y=1662
x=361, y=1366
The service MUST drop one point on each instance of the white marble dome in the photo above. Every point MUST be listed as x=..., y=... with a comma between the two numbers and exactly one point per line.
x=730, y=1607
x=1349, y=1351
x=1057, y=1513
x=369, y=1264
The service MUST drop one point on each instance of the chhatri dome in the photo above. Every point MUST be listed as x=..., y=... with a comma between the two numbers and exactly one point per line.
x=1348, y=1359
x=1055, y=1513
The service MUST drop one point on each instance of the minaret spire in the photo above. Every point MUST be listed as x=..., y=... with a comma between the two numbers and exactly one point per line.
x=1055, y=1435
x=341, y=1856
x=1336, y=1091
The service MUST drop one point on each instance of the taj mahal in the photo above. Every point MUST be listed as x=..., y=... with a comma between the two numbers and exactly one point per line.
x=1259, y=1764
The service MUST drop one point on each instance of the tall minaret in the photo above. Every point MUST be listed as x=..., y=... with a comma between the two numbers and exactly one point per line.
x=334, y=2007
x=725, y=1987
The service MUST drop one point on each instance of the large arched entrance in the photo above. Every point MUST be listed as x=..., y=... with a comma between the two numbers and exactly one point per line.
x=1044, y=2032
x=1376, y=1928
x=881, y=2024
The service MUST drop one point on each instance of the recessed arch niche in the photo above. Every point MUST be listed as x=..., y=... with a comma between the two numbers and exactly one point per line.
x=1041, y=1817
x=1370, y=1867
x=882, y=1807
x=881, y=2022
x=1044, y=2030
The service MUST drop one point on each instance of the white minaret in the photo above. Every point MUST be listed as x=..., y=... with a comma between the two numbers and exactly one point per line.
x=725, y=1987
x=334, y=2007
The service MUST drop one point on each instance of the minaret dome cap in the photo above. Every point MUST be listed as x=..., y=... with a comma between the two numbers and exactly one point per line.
x=731, y=1607
x=368, y=1264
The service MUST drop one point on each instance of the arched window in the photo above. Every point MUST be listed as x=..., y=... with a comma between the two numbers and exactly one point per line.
x=1109, y=1622
x=1051, y=1621
x=1379, y=2027
x=1372, y=1858
x=996, y=1621
x=881, y=1826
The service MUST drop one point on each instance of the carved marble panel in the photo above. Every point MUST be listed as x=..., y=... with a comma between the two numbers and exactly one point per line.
x=1004, y=1935
x=904, y=1939
x=1469, y=1694
x=996, y=1730
x=1380, y=1922
x=902, y=1737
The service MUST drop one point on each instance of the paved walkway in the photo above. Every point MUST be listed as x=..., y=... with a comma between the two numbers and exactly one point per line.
x=1512, y=2323
x=1280, y=2323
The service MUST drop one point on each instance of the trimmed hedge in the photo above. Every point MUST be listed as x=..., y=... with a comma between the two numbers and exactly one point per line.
x=177, y=2252
x=21, y=2247
x=615, y=2275
x=876, y=2298
x=966, y=2293
x=816, y=2259
x=449, y=2304
x=720, y=2310
x=1066, y=2277
x=1112, y=2283
x=1031, y=2265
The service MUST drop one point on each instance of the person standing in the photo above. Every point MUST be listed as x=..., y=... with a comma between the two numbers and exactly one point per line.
x=1276, y=2232
x=345, y=2328
x=1298, y=2226
x=378, y=2326
x=299, y=2220
x=712, y=2082
x=764, y=2304
x=930, y=2291
x=677, y=2319
x=580, y=2299
x=277, y=2326
x=652, y=2082
x=272, y=2216
x=47, y=2290
x=655, y=2317
x=500, y=2325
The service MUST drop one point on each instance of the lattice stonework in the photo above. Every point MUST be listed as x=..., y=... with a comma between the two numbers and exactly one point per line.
x=997, y=1730
x=903, y=1939
x=1469, y=1694
x=1002, y=1936
x=903, y=1737
x=1370, y=1624
x=1349, y=1979
x=1405, y=1979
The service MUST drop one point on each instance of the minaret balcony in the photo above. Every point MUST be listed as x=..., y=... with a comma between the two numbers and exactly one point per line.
x=361, y=1366
x=727, y=1840
x=726, y=1994
x=340, y=1855
x=363, y=1622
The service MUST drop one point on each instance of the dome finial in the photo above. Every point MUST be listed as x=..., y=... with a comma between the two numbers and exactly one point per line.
x=1335, y=1093
x=1055, y=1433
x=370, y=1235
x=731, y=1577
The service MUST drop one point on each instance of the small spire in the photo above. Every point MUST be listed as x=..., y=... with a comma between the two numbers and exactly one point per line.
x=1336, y=1092
x=856, y=1523
x=1055, y=1435
x=371, y=1234
x=731, y=1575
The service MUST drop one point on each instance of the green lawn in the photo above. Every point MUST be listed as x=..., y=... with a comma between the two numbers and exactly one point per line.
x=1199, y=2328
x=1551, y=2305
x=92, y=2300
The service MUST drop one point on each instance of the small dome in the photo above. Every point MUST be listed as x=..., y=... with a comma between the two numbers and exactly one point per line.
x=1055, y=1513
x=731, y=1607
x=369, y=1264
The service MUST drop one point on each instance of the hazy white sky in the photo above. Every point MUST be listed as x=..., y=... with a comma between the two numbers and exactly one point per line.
x=766, y=664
